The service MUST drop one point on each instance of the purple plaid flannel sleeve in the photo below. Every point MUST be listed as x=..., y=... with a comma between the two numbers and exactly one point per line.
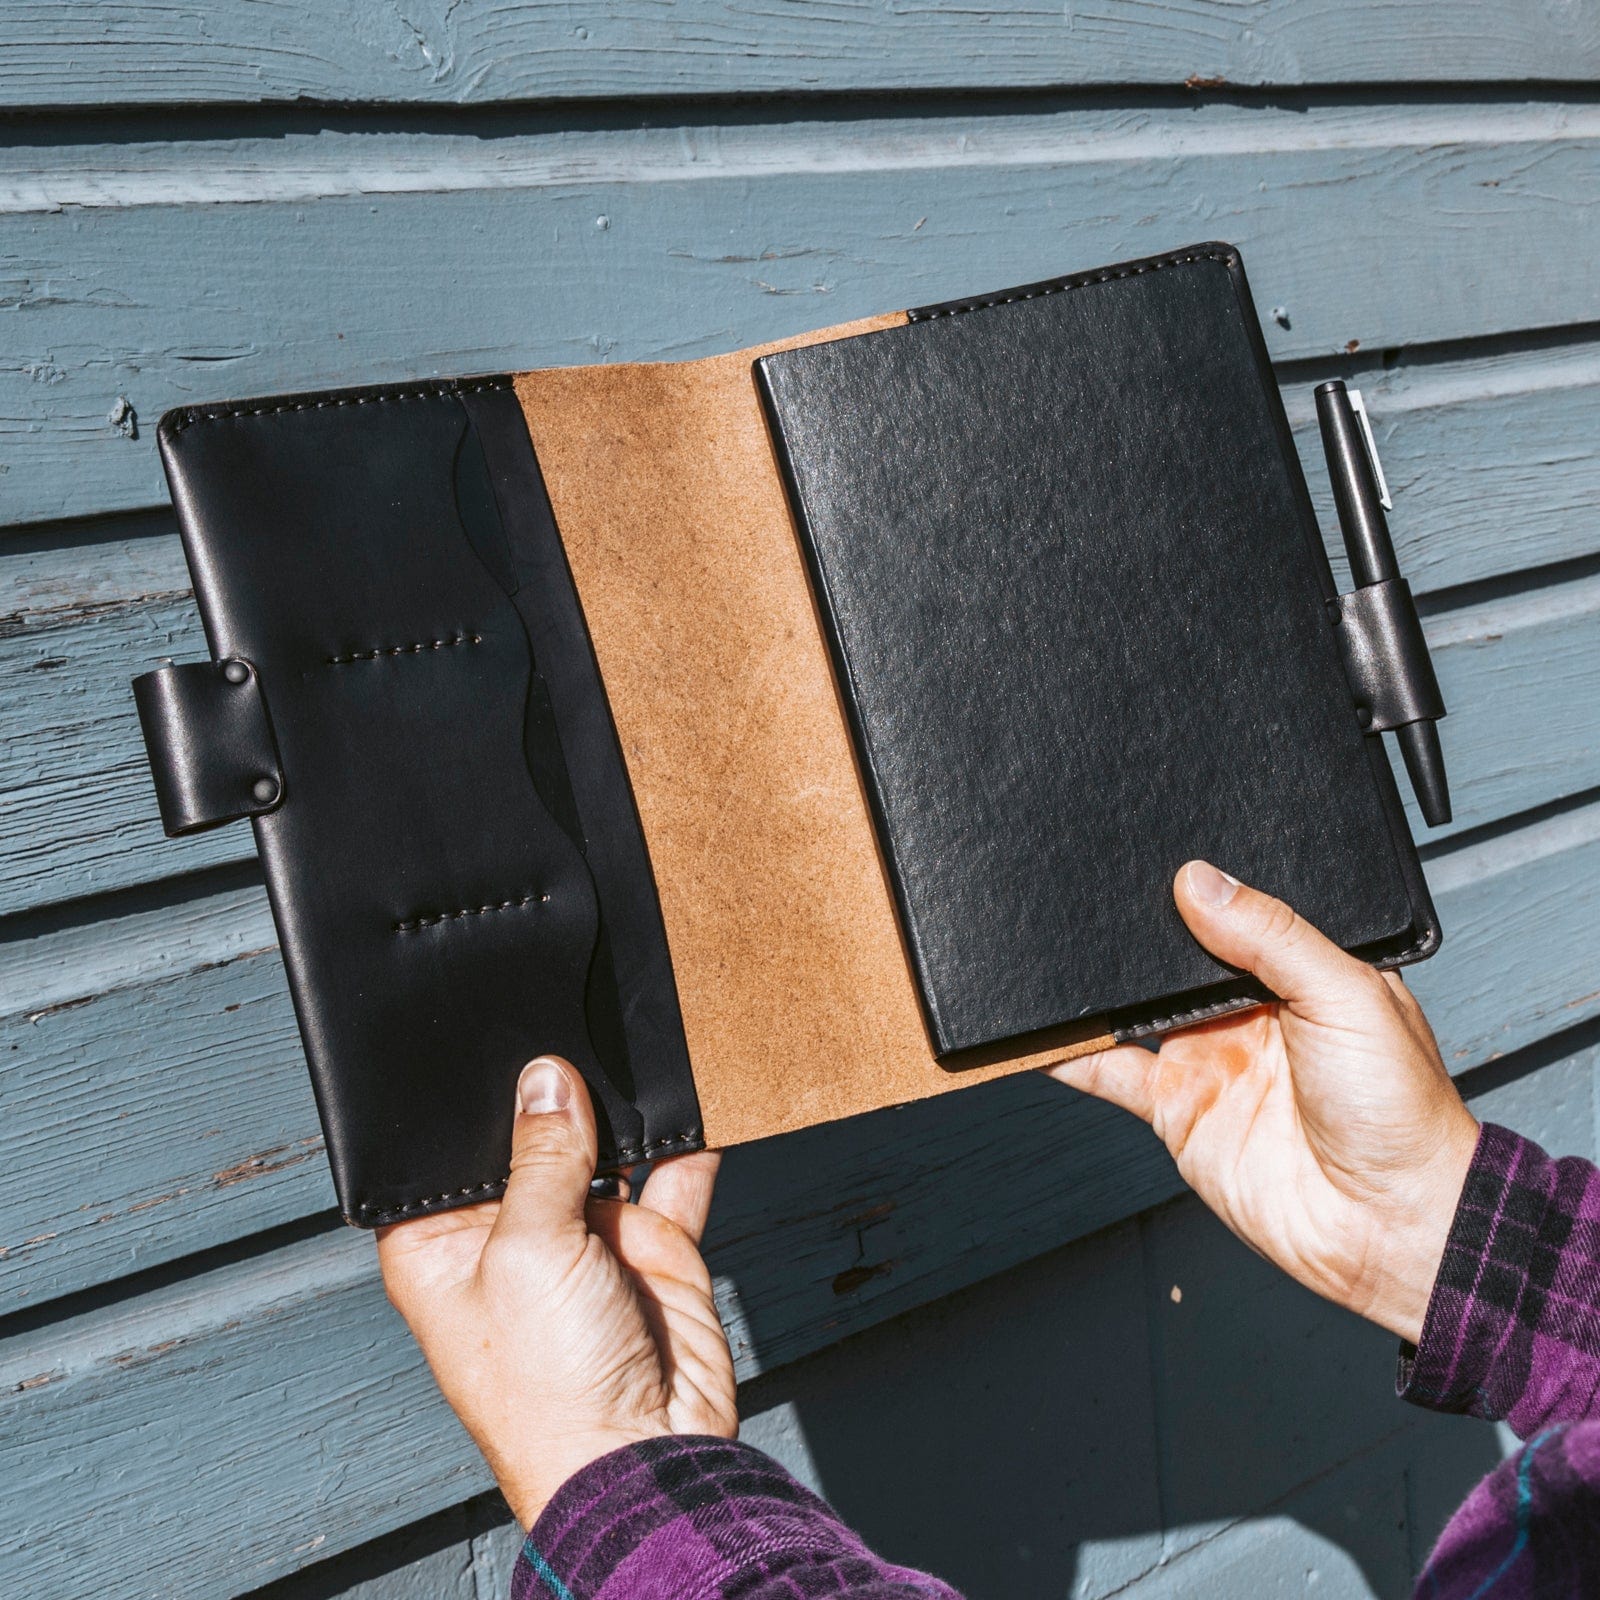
x=1513, y=1328
x=1513, y=1333
x=700, y=1519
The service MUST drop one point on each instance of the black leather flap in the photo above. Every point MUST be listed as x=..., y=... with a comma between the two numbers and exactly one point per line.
x=210, y=744
x=457, y=869
x=1386, y=657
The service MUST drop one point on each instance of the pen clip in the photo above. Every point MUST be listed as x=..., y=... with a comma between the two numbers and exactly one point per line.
x=1385, y=652
x=1364, y=422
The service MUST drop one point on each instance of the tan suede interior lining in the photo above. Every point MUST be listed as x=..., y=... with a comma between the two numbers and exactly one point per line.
x=798, y=1001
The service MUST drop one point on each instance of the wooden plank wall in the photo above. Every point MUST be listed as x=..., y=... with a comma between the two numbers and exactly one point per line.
x=202, y=1392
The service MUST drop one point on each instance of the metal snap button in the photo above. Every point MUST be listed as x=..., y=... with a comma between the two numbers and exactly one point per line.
x=265, y=791
x=236, y=672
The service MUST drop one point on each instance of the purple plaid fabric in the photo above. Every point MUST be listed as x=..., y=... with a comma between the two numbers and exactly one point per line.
x=700, y=1519
x=1512, y=1332
x=1513, y=1328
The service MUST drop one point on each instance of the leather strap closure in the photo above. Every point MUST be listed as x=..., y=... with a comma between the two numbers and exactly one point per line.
x=1386, y=656
x=210, y=744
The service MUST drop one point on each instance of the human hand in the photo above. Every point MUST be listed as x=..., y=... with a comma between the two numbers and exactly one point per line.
x=1322, y=1129
x=561, y=1327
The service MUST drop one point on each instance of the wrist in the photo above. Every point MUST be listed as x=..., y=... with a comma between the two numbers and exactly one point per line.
x=530, y=1485
x=1414, y=1243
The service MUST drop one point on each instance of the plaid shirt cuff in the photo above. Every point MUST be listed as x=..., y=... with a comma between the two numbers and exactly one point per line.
x=700, y=1519
x=1513, y=1326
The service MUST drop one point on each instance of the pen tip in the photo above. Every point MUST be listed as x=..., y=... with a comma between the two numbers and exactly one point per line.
x=1419, y=744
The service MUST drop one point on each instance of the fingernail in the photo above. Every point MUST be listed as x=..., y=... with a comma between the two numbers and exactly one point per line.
x=543, y=1088
x=1210, y=886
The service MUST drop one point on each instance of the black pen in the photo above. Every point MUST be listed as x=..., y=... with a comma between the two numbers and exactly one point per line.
x=1372, y=561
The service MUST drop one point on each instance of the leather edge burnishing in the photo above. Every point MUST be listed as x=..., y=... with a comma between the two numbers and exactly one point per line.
x=1225, y=254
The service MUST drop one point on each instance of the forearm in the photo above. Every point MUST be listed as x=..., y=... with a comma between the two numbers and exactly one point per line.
x=697, y=1519
x=1513, y=1325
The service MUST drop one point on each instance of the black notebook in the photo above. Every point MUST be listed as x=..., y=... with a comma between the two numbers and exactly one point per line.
x=1078, y=607
x=779, y=735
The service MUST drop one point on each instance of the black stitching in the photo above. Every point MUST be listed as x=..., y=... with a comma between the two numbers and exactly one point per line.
x=690, y=1139
x=378, y=652
x=1077, y=281
x=433, y=919
x=1181, y=1019
x=485, y=386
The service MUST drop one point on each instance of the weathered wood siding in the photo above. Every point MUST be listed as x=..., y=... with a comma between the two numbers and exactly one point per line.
x=1088, y=1388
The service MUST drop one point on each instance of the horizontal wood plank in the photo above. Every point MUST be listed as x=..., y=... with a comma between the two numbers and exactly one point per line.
x=77, y=807
x=1510, y=973
x=183, y=1024
x=1521, y=684
x=364, y=51
x=1489, y=459
x=641, y=243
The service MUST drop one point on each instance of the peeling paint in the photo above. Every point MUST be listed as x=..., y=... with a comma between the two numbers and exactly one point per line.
x=853, y=1278
x=278, y=1159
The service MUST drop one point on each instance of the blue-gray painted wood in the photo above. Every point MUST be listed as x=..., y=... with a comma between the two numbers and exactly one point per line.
x=76, y=809
x=1510, y=972
x=1521, y=678
x=1491, y=460
x=463, y=1553
x=1069, y=1480
x=642, y=243
x=360, y=51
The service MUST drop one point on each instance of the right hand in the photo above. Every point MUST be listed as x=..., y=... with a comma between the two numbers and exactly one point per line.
x=561, y=1327
x=1323, y=1129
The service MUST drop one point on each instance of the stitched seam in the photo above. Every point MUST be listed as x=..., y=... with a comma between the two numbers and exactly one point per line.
x=489, y=386
x=690, y=1138
x=378, y=652
x=1180, y=1019
x=433, y=919
x=1079, y=281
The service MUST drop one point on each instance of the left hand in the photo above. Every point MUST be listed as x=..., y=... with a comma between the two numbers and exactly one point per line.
x=561, y=1327
x=1322, y=1128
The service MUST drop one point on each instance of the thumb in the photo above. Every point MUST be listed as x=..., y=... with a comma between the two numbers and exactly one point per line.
x=553, y=1150
x=1268, y=939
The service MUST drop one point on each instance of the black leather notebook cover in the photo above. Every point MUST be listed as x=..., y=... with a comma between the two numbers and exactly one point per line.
x=1078, y=604
x=454, y=861
x=1078, y=615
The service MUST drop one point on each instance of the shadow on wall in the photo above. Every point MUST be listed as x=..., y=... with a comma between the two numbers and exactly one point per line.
x=1035, y=1434
x=1151, y=1412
